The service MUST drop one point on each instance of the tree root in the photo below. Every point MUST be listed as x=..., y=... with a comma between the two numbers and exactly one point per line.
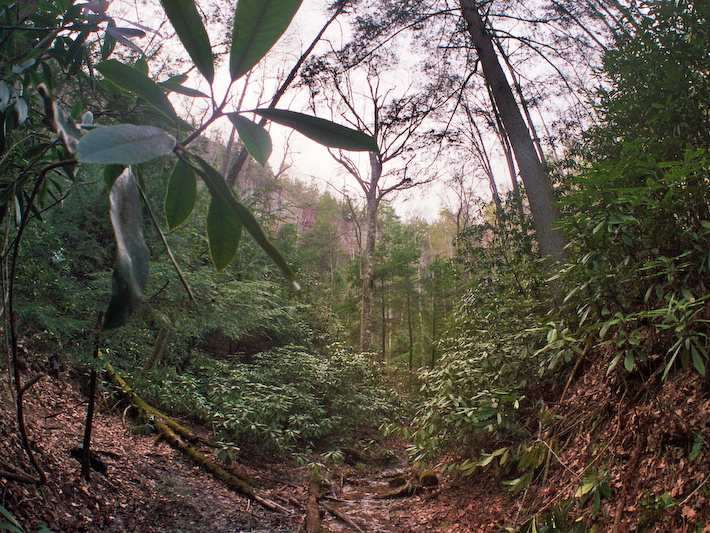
x=176, y=435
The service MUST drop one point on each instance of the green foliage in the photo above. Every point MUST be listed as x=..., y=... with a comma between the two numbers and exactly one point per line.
x=283, y=399
x=476, y=394
x=595, y=487
x=257, y=26
x=186, y=20
x=322, y=131
x=255, y=138
x=223, y=232
x=133, y=80
x=566, y=515
x=637, y=216
x=556, y=521
x=181, y=195
x=238, y=215
x=13, y=526
x=50, y=39
x=123, y=144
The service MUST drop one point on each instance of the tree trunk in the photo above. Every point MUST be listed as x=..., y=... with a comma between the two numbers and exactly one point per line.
x=368, y=276
x=432, y=358
x=384, y=320
x=158, y=349
x=512, y=171
x=368, y=260
x=410, y=332
x=537, y=184
x=523, y=104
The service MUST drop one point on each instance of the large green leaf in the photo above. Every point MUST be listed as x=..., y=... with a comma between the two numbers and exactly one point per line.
x=174, y=86
x=130, y=275
x=322, y=131
x=258, y=24
x=188, y=25
x=255, y=138
x=219, y=188
x=223, y=232
x=111, y=174
x=181, y=194
x=124, y=144
x=133, y=80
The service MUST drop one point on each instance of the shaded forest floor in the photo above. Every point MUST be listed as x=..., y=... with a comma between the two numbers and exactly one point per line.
x=646, y=441
x=150, y=487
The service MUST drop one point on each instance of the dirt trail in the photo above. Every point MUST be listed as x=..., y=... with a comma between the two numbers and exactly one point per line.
x=151, y=488
x=359, y=496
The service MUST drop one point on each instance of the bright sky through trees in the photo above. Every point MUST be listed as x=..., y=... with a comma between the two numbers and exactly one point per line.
x=310, y=162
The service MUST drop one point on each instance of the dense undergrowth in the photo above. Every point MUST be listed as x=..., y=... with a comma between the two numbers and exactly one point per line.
x=577, y=393
x=595, y=411
x=289, y=399
x=250, y=359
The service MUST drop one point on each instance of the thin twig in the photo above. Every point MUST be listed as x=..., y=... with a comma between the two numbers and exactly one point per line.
x=15, y=356
x=169, y=251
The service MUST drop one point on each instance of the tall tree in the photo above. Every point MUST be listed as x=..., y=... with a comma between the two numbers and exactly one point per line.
x=537, y=184
x=397, y=122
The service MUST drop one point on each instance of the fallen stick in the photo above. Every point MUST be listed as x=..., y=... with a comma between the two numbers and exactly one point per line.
x=232, y=481
x=342, y=516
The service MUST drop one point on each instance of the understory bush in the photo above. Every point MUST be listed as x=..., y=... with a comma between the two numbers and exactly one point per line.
x=476, y=395
x=285, y=399
x=637, y=216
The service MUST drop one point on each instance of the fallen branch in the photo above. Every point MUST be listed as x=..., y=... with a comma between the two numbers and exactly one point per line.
x=31, y=382
x=342, y=516
x=173, y=433
x=232, y=481
x=22, y=478
x=148, y=409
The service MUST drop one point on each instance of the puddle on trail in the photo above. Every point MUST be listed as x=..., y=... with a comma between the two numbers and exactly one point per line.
x=360, y=500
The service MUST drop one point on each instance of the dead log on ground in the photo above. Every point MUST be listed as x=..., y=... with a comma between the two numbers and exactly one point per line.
x=148, y=409
x=166, y=428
